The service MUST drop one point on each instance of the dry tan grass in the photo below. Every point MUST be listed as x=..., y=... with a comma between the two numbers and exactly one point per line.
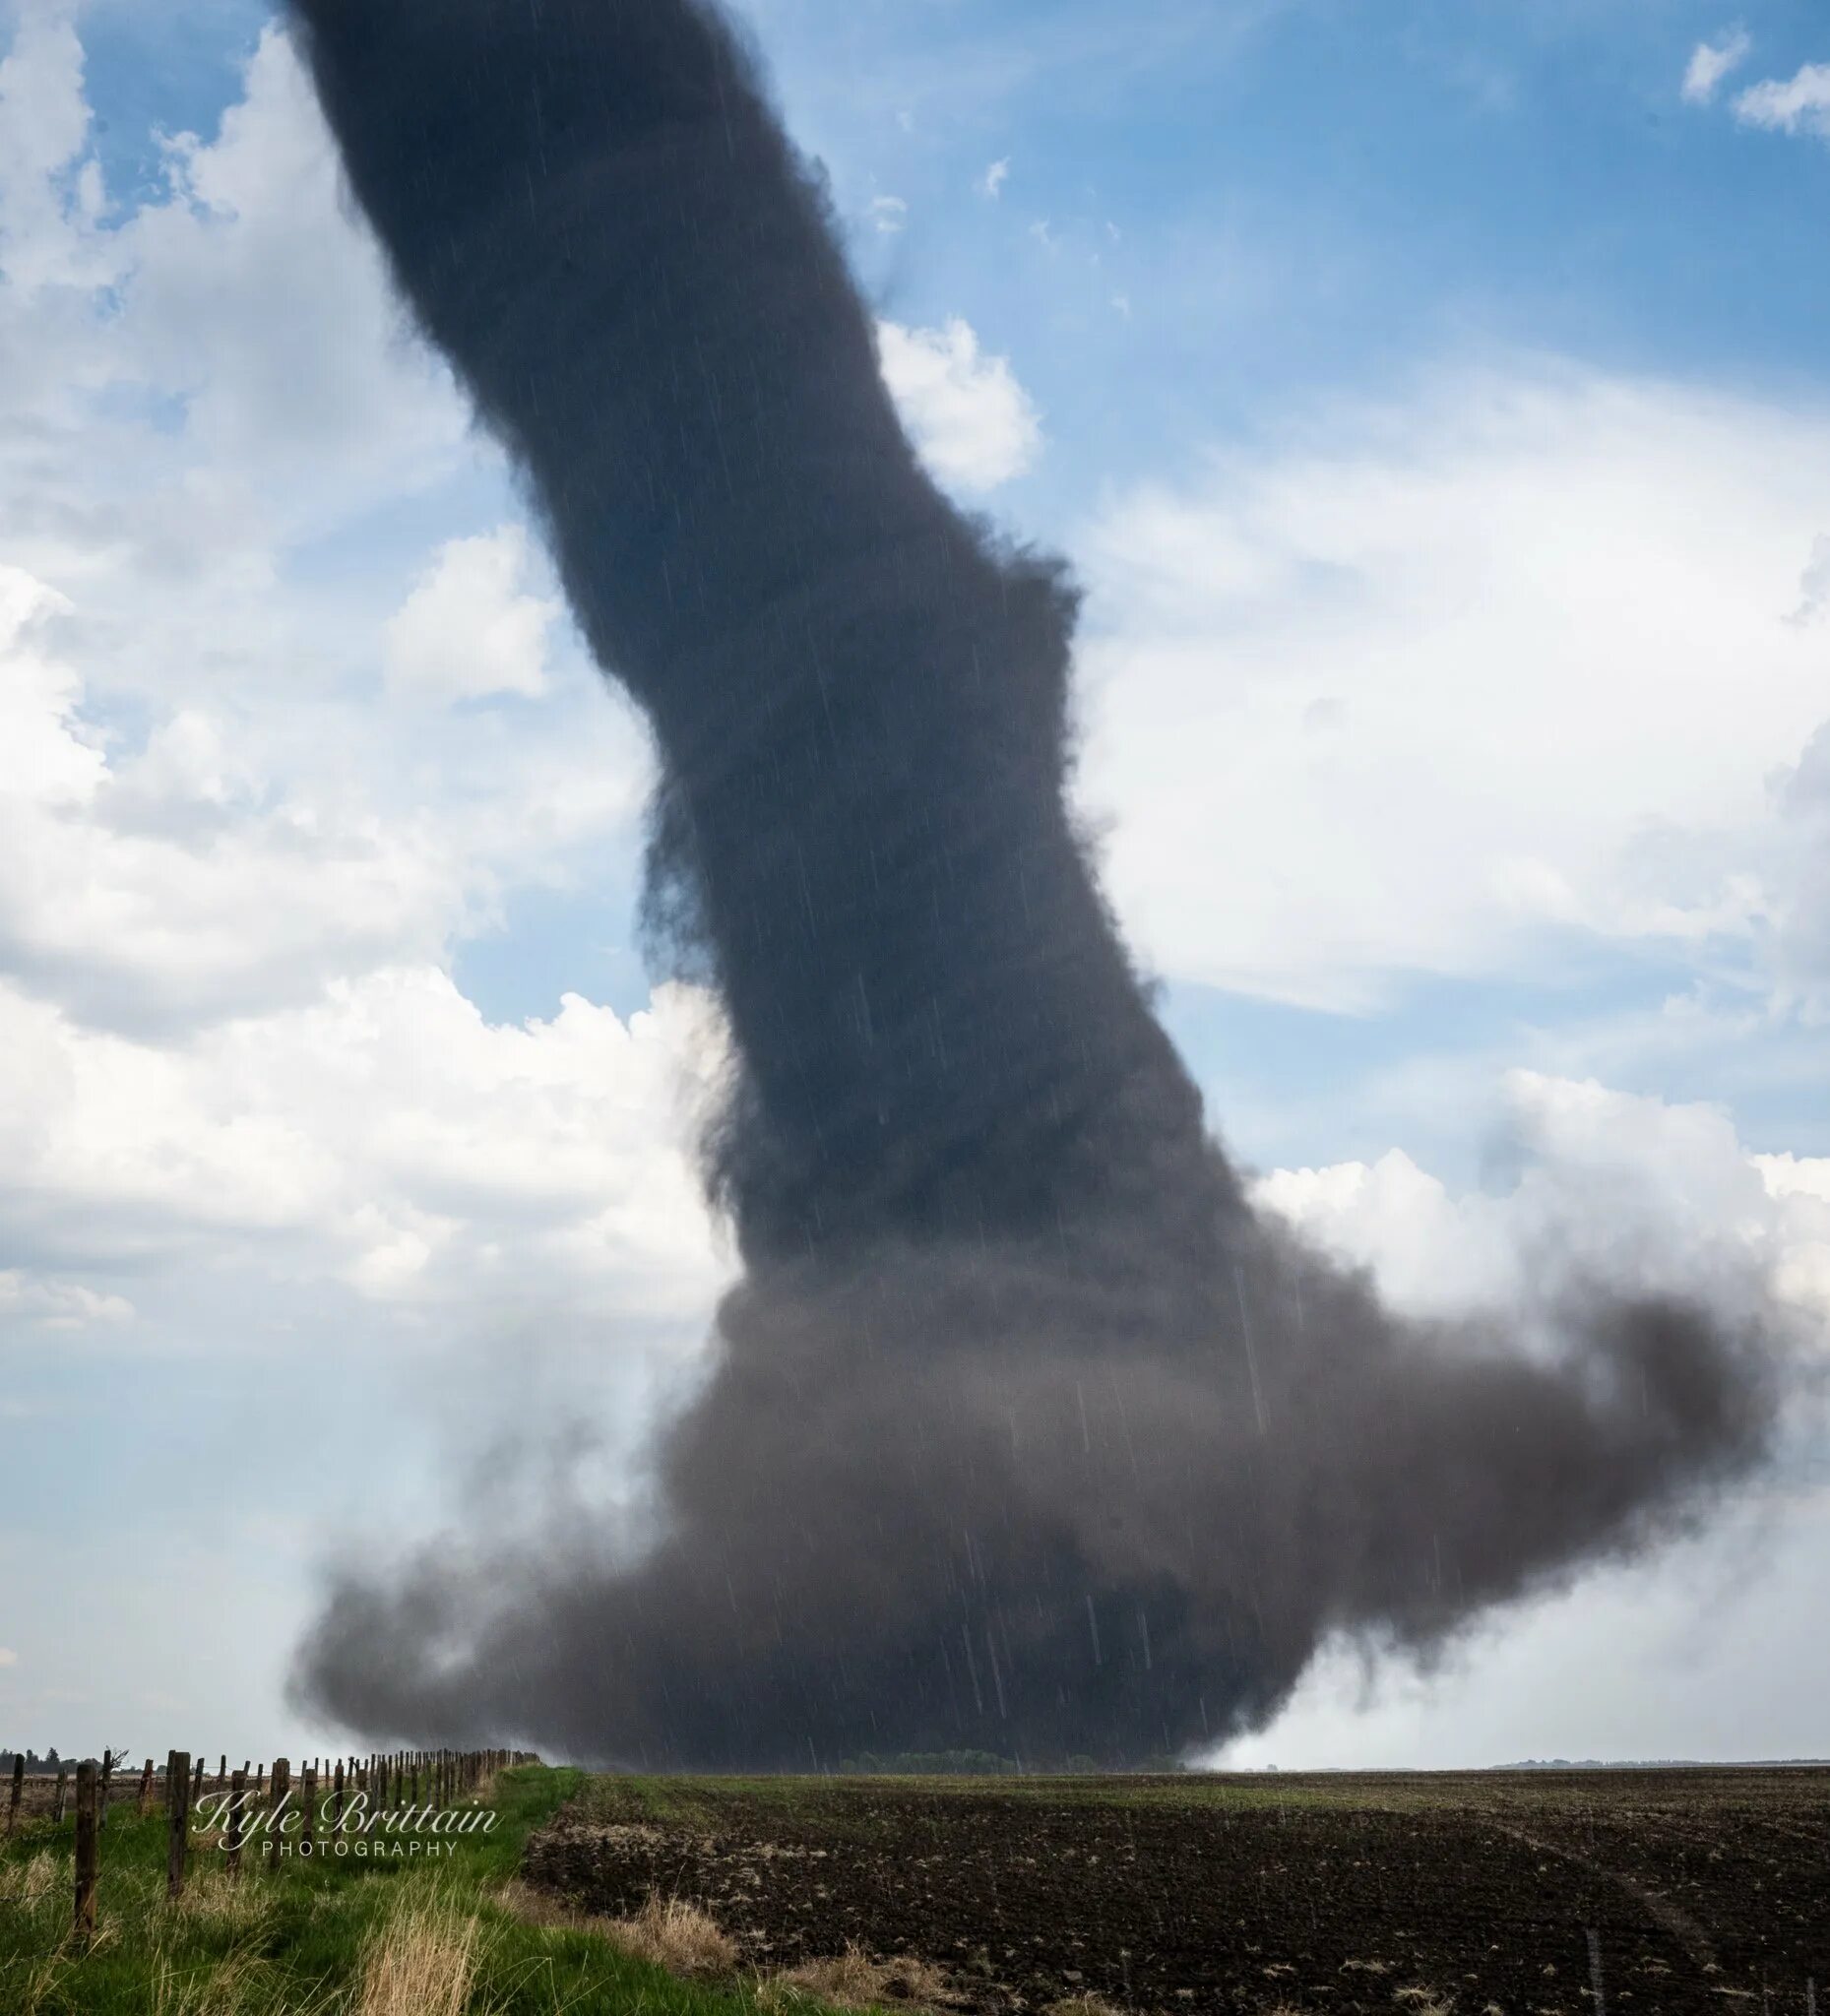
x=848, y=1980
x=544, y=1908
x=31, y=1882
x=1423, y=2001
x=1082, y=2005
x=852, y=1979
x=907, y=1979
x=420, y=1961
x=215, y=1895
x=674, y=1934
x=1365, y=1966
x=230, y=1986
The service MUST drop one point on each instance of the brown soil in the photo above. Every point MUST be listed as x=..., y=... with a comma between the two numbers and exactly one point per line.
x=1695, y=1890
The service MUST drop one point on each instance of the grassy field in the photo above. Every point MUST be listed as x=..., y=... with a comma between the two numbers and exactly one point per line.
x=322, y=1938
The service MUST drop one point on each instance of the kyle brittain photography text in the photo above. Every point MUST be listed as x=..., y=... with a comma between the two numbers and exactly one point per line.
x=346, y=1826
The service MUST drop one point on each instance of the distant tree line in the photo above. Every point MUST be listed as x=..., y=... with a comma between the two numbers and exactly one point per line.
x=34, y=1764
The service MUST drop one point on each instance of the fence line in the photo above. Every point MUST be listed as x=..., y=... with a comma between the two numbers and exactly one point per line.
x=388, y=1780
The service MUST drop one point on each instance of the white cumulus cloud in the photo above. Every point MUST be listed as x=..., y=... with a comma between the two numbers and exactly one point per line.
x=973, y=423
x=46, y=214
x=1615, y=1185
x=256, y=300
x=233, y=880
x=1711, y=62
x=470, y=628
x=386, y=1137
x=1460, y=679
x=1795, y=104
x=185, y=879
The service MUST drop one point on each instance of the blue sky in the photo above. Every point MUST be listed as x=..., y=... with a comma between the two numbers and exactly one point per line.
x=1431, y=397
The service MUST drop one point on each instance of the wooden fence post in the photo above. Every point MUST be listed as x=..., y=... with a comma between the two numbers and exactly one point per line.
x=85, y=1841
x=309, y=1825
x=107, y=1773
x=63, y=1793
x=146, y=1788
x=177, y=1820
x=237, y=1827
x=196, y=1781
x=18, y=1790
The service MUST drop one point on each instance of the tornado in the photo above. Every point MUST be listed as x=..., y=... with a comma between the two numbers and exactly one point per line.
x=1022, y=1432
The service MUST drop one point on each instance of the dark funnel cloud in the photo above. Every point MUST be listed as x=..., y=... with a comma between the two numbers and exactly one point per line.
x=1022, y=1432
